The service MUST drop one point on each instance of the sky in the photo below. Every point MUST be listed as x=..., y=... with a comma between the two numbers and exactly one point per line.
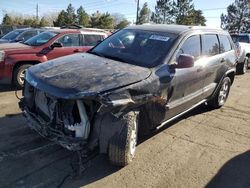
x=212, y=9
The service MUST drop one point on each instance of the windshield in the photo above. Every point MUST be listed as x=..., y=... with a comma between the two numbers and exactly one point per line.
x=40, y=39
x=240, y=38
x=138, y=47
x=12, y=35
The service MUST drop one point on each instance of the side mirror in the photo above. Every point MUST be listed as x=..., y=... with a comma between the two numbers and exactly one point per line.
x=185, y=61
x=56, y=45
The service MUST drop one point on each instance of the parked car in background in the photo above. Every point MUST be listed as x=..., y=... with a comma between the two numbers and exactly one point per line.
x=133, y=82
x=20, y=35
x=15, y=58
x=4, y=29
x=242, y=42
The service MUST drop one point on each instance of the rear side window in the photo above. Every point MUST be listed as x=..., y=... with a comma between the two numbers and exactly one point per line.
x=225, y=44
x=191, y=46
x=210, y=45
x=92, y=40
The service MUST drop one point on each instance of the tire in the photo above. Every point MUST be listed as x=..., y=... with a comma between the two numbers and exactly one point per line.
x=221, y=95
x=18, y=75
x=242, y=67
x=122, y=146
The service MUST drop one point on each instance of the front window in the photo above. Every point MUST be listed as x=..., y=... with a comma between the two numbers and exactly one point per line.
x=12, y=35
x=138, y=47
x=40, y=39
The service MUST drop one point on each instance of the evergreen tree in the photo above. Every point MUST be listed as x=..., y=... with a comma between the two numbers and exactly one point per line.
x=102, y=21
x=71, y=16
x=7, y=20
x=61, y=19
x=237, y=17
x=82, y=17
x=196, y=18
x=183, y=8
x=164, y=12
x=124, y=23
x=144, y=14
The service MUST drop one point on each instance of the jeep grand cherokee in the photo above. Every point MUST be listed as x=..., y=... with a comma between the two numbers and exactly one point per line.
x=133, y=82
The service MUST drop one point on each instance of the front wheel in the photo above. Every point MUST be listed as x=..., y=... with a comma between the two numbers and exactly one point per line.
x=122, y=146
x=19, y=75
x=222, y=94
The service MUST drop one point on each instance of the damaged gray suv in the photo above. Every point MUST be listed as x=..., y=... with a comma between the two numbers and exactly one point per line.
x=131, y=83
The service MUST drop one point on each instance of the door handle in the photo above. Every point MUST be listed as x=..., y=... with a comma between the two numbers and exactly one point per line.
x=76, y=50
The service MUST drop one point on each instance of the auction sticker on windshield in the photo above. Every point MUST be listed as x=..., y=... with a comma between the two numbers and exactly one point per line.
x=159, y=37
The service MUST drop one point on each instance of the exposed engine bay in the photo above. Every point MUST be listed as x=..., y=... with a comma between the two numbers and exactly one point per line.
x=66, y=121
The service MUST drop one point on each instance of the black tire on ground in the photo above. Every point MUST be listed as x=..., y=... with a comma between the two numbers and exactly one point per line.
x=242, y=67
x=122, y=146
x=221, y=95
x=18, y=75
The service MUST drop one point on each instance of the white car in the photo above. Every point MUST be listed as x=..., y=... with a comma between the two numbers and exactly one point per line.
x=242, y=42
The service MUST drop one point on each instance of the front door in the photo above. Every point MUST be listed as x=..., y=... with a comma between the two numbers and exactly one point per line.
x=187, y=82
x=71, y=43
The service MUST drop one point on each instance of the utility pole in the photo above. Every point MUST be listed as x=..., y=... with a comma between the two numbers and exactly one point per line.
x=37, y=11
x=137, y=11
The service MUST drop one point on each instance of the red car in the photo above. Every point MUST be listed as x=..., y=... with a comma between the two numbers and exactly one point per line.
x=15, y=58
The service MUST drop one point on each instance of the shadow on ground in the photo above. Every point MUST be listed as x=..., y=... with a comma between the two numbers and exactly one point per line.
x=7, y=87
x=28, y=160
x=233, y=174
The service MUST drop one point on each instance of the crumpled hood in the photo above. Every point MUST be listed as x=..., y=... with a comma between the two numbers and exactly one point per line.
x=82, y=75
x=15, y=46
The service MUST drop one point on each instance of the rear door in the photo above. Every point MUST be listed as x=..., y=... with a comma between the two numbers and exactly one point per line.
x=214, y=61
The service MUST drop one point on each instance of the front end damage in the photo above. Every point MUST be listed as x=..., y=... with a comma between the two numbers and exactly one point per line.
x=64, y=121
x=78, y=124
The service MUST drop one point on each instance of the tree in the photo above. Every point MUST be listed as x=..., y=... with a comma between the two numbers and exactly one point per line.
x=102, y=21
x=106, y=21
x=71, y=16
x=82, y=17
x=237, y=17
x=124, y=23
x=43, y=22
x=164, y=12
x=196, y=18
x=144, y=14
x=61, y=19
x=183, y=9
x=7, y=20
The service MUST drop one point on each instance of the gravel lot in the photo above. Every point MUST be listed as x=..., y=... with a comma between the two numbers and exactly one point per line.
x=202, y=149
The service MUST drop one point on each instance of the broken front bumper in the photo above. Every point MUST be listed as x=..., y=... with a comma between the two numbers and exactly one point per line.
x=45, y=130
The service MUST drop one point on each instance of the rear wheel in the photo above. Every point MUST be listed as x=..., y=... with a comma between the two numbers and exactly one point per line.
x=222, y=94
x=19, y=75
x=122, y=146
